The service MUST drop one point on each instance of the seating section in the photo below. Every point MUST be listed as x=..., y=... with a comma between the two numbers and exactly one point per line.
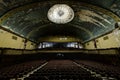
x=61, y=70
x=19, y=70
x=103, y=69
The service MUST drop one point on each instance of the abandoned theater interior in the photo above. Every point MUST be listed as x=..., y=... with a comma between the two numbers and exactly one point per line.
x=59, y=39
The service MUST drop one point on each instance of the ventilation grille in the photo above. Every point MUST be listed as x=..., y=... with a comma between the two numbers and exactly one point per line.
x=105, y=38
x=14, y=37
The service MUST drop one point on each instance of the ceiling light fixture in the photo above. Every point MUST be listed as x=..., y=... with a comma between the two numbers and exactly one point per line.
x=60, y=14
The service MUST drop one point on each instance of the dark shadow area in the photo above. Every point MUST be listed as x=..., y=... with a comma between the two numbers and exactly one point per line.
x=62, y=63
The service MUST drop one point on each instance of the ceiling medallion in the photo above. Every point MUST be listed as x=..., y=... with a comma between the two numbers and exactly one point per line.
x=60, y=14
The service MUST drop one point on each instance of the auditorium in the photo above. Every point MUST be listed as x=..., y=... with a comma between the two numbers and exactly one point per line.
x=59, y=39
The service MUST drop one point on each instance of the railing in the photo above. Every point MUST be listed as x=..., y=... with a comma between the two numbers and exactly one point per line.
x=9, y=51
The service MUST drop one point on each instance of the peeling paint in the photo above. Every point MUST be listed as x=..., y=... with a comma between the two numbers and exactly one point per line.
x=88, y=16
x=26, y=19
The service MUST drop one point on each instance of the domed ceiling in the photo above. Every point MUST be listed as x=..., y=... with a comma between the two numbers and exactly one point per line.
x=28, y=18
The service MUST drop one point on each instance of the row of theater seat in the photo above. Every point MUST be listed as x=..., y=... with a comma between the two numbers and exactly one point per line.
x=103, y=69
x=61, y=70
x=19, y=70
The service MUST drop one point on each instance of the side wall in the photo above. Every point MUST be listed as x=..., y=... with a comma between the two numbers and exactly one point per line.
x=111, y=40
x=30, y=45
x=9, y=40
x=89, y=45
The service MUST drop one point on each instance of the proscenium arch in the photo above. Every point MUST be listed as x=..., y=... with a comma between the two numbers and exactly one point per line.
x=46, y=25
x=36, y=29
x=84, y=29
x=36, y=25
